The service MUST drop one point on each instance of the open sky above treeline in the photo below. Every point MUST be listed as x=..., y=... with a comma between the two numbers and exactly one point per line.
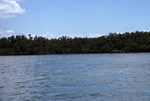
x=73, y=18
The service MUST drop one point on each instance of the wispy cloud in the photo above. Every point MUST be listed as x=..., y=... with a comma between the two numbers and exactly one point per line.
x=128, y=28
x=3, y=25
x=10, y=8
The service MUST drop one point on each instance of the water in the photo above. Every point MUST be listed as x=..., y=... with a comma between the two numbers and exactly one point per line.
x=78, y=77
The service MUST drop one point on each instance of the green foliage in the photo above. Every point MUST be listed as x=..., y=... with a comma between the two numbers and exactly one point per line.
x=127, y=42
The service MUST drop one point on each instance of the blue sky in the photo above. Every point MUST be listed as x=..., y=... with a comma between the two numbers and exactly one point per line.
x=81, y=18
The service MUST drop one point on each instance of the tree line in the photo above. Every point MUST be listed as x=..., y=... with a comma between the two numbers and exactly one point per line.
x=138, y=41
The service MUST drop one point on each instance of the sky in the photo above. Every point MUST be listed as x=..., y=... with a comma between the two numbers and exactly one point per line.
x=73, y=18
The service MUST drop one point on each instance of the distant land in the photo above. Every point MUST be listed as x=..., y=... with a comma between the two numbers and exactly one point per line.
x=138, y=41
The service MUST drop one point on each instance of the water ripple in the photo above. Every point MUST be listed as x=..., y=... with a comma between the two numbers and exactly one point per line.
x=80, y=77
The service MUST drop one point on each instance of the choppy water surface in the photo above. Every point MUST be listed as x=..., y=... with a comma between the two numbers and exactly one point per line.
x=79, y=77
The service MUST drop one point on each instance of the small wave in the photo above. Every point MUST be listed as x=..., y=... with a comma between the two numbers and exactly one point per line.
x=96, y=94
x=34, y=92
x=59, y=95
x=90, y=95
x=1, y=87
x=43, y=78
x=21, y=86
x=24, y=82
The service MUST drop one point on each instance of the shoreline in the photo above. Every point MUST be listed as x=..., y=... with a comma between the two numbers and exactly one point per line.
x=76, y=53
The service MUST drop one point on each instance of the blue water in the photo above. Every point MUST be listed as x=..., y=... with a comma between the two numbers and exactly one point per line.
x=75, y=77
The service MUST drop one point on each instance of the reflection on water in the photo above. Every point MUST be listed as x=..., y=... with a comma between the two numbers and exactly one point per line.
x=81, y=77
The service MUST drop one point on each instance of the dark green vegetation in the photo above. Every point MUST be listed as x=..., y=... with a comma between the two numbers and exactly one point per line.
x=127, y=42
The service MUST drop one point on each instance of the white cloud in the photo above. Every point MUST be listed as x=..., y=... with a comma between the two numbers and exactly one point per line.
x=9, y=33
x=52, y=36
x=48, y=35
x=10, y=8
x=145, y=31
x=118, y=32
x=73, y=35
x=27, y=35
x=95, y=35
x=76, y=35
